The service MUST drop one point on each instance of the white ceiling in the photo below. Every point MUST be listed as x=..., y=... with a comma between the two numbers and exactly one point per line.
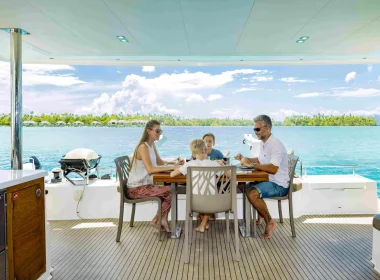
x=194, y=32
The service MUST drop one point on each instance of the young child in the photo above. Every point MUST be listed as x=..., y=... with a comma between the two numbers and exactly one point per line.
x=212, y=153
x=199, y=152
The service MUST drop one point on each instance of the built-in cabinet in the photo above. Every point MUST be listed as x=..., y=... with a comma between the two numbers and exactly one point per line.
x=26, y=230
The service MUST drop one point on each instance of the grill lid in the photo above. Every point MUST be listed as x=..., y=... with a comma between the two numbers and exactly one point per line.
x=82, y=153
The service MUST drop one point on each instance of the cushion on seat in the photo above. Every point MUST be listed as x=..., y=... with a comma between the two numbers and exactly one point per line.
x=376, y=222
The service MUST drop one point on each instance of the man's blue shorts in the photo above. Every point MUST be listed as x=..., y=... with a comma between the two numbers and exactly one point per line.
x=269, y=189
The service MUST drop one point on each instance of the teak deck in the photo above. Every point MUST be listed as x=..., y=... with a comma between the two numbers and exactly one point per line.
x=333, y=247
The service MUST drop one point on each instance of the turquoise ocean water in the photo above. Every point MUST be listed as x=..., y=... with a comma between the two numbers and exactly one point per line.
x=314, y=145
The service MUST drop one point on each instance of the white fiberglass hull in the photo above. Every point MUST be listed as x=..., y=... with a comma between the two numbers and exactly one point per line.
x=337, y=194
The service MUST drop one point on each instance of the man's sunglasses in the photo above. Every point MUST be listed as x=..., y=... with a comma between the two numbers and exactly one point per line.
x=257, y=129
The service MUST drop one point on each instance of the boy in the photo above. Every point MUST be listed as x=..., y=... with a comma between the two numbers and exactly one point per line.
x=213, y=154
x=199, y=152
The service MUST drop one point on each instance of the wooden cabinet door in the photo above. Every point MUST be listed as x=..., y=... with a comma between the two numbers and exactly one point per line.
x=27, y=230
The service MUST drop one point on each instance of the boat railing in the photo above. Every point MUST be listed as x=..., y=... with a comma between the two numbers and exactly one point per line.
x=303, y=168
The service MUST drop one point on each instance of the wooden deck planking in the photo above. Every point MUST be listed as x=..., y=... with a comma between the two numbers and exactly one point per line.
x=320, y=251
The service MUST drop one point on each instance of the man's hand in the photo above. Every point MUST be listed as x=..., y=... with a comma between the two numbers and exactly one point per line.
x=245, y=162
x=239, y=156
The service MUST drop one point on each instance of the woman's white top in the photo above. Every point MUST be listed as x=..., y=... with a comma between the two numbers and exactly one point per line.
x=138, y=176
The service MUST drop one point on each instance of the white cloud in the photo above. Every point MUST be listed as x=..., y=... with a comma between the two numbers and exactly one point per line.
x=213, y=97
x=243, y=89
x=360, y=92
x=294, y=80
x=373, y=112
x=195, y=98
x=231, y=113
x=262, y=78
x=34, y=74
x=148, y=68
x=146, y=95
x=369, y=68
x=283, y=113
x=350, y=77
x=310, y=94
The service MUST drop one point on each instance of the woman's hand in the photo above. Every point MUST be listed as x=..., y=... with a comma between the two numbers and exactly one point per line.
x=180, y=162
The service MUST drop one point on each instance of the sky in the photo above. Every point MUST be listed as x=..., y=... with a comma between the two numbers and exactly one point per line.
x=197, y=92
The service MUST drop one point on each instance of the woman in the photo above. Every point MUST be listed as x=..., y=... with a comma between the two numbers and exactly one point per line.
x=145, y=162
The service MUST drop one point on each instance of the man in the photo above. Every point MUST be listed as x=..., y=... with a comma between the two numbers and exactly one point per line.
x=272, y=159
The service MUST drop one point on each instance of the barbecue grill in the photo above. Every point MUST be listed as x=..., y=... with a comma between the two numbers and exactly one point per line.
x=81, y=162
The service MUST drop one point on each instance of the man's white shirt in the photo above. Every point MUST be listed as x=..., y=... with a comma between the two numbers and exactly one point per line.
x=273, y=151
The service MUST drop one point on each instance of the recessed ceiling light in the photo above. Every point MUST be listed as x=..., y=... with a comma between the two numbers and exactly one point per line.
x=124, y=40
x=300, y=41
x=304, y=38
x=120, y=37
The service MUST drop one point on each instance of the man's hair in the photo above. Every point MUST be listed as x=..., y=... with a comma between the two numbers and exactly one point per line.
x=197, y=147
x=209, y=134
x=264, y=119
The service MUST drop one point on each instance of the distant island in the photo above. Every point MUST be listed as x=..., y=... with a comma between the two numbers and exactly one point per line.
x=125, y=120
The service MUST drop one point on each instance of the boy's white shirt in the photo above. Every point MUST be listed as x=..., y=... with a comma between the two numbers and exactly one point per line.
x=201, y=163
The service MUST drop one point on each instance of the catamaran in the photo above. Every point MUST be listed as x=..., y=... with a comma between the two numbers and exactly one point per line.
x=335, y=240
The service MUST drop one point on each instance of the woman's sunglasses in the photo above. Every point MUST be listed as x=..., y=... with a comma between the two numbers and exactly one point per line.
x=159, y=131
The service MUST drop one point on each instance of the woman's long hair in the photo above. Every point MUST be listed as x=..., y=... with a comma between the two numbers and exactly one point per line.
x=145, y=137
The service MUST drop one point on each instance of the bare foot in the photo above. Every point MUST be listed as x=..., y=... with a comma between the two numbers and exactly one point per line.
x=165, y=225
x=269, y=229
x=207, y=226
x=200, y=229
x=259, y=220
x=154, y=224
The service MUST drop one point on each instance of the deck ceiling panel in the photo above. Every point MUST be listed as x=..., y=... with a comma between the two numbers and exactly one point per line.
x=93, y=22
x=214, y=26
x=194, y=32
x=47, y=34
x=338, y=20
x=157, y=26
x=273, y=24
x=365, y=40
x=28, y=50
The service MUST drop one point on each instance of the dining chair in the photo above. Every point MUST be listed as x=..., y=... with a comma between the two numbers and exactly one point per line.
x=122, y=168
x=204, y=196
x=292, y=163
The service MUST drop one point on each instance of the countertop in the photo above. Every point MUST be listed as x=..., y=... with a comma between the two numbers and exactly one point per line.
x=10, y=178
